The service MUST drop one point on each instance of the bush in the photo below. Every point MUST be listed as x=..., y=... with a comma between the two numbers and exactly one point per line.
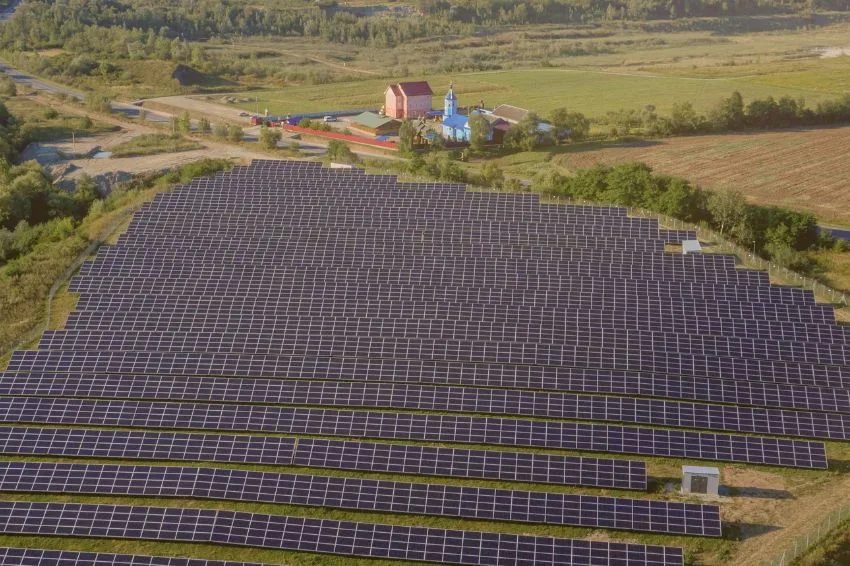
x=99, y=102
x=7, y=86
x=340, y=152
x=235, y=134
x=269, y=137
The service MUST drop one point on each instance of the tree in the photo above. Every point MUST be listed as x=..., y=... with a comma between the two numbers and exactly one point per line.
x=184, y=122
x=235, y=134
x=569, y=124
x=492, y=175
x=340, y=152
x=269, y=137
x=684, y=119
x=728, y=114
x=728, y=209
x=525, y=134
x=406, y=137
x=479, y=134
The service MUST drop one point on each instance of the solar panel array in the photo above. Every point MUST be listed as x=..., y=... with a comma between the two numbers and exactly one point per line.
x=320, y=535
x=45, y=557
x=283, y=314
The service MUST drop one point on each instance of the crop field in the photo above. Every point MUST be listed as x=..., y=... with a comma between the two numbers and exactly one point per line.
x=591, y=92
x=806, y=169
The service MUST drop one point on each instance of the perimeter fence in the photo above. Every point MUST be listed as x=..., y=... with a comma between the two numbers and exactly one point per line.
x=801, y=544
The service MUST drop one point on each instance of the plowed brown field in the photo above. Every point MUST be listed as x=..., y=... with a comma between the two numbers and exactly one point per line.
x=806, y=169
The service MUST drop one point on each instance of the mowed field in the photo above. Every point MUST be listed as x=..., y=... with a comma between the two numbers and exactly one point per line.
x=592, y=92
x=806, y=169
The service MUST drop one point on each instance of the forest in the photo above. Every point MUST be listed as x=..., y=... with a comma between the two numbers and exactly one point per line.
x=131, y=29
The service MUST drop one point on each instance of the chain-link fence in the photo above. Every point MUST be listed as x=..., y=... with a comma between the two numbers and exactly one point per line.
x=801, y=544
x=779, y=273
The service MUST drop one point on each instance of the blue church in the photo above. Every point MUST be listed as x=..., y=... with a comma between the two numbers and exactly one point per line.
x=455, y=125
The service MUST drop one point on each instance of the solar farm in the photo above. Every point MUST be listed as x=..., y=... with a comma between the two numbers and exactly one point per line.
x=318, y=362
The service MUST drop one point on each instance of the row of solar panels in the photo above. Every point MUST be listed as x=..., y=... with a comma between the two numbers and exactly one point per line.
x=437, y=372
x=49, y=557
x=206, y=225
x=538, y=329
x=429, y=499
x=319, y=535
x=295, y=343
x=636, y=319
x=331, y=235
x=556, y=380
x=569, y=293
x=461, y=274
x=414, y=426
x=406, y=459
x=500, y=326
x=477, y=401
x=406, y=253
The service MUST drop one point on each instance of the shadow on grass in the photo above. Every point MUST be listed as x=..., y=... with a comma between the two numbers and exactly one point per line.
x=842, y=466
x=744, y=531
x=758, y=492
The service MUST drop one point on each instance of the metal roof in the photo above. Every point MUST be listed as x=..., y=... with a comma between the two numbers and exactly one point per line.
x=371, y=120
x=703, y=470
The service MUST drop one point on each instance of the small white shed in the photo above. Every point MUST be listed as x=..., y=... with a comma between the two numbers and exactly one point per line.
x=691, y=247
x=700, y=480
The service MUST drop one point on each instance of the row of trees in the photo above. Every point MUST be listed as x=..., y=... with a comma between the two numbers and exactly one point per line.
x=510, y=12
x=728, y=114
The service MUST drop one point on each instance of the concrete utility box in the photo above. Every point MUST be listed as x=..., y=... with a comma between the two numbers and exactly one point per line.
x=700, y=480
x=691, y=247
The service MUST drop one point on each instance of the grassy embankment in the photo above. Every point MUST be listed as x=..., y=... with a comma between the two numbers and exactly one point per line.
x=152, y=144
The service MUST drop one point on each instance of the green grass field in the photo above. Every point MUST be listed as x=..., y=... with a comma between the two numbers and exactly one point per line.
x=591, y=92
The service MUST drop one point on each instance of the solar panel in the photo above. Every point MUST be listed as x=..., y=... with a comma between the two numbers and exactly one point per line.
x=48, y=557
x=319, y=535
x=302, y=342
x=411, y=426
x=374, y=324
x=479, y=401
x=504, y=376
x=406, y=459
x=364, y=494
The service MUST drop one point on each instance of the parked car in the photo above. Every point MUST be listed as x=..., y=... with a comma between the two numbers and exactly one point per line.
x=296, y=136
x=330, y=118
x=243, y=114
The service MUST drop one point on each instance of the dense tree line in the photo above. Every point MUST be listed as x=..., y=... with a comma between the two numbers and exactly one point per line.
x=728, y=114
x=157, y=27
x=502, y=12
x=32, y=209
x=776, y=232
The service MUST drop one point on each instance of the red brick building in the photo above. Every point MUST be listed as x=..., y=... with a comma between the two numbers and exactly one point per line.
x=408, y=100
